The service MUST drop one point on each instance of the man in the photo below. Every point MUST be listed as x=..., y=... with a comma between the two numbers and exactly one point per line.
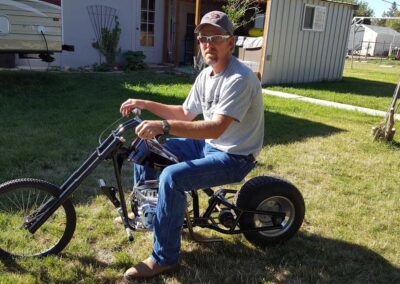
x=217, y=150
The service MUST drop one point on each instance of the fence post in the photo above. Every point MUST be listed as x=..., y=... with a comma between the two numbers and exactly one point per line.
x=366, y=53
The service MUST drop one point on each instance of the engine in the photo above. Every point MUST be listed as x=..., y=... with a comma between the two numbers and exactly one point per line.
x=144, y=203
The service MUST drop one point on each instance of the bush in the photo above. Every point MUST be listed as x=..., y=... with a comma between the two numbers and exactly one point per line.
x=134, y=60
x=103, y=67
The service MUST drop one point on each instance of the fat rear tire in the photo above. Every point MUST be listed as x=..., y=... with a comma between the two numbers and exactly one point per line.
x=272, y=194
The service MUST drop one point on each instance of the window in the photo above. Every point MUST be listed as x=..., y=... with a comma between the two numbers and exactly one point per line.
x=147, y=21
x=314, y=18
x=4, y=25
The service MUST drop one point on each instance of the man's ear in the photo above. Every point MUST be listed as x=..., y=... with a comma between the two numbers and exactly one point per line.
x=232, y=43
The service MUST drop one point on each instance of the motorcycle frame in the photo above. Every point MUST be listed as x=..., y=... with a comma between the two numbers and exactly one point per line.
x=113, y=148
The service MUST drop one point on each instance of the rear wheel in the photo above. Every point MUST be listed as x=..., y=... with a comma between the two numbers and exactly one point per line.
x=267, y=193
x=22, y=198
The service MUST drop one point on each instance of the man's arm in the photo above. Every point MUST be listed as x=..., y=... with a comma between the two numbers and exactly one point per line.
x=173, y=112
x=210, y=129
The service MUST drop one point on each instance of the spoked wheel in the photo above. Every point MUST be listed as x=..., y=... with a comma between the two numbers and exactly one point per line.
x=20, y=199
x=267, y=193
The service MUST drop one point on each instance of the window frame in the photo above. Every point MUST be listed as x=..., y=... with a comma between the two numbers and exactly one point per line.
x=316, y=8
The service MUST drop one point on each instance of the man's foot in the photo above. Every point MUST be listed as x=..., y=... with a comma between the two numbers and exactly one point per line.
x=148, y=269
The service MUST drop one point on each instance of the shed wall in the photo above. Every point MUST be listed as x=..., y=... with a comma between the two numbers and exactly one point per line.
x=293, y=55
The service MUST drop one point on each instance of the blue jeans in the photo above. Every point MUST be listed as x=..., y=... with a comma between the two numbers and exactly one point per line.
x=201, y=166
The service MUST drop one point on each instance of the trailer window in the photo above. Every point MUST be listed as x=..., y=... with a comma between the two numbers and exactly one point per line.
x=4, y=25
x=314, y=18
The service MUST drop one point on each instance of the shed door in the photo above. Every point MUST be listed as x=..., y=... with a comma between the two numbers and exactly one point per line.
x=149, y=29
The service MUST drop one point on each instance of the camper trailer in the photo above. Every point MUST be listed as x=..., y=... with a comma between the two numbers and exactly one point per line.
x=31, y=27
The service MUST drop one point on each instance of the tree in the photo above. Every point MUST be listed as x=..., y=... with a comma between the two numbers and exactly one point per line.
x=395, y=24
x=363, y=11
x=392, y=12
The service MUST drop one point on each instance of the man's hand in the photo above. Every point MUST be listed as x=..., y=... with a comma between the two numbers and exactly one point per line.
x=148, y=129
x=129, y=105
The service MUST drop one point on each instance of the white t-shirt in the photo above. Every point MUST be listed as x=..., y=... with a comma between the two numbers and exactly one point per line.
x=236, y=92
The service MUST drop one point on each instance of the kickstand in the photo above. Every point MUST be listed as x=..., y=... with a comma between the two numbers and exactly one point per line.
x=196, y=237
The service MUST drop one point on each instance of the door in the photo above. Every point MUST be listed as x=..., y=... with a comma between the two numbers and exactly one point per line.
x=149, y=36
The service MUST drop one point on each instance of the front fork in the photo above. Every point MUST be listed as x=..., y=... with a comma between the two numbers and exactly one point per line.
x=117, y=197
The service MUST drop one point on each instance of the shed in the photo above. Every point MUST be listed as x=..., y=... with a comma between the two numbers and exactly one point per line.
x=305, y=41
x=373, y=40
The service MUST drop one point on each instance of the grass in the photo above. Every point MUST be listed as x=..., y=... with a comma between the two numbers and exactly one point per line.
x=50, y=123
x=368, y=85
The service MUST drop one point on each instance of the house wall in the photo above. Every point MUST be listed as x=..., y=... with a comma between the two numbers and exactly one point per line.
x=78, y=31
x=293, y=55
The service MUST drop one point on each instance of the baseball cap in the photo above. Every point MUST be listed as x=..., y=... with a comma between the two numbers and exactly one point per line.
x=217, y=19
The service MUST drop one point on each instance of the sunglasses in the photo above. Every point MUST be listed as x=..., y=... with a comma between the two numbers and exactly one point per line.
x=213, y=38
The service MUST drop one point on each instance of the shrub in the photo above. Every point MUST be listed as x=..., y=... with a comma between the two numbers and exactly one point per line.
x=108, y=44
x=134, y=60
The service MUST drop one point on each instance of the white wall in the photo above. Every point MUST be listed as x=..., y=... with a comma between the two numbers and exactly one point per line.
x=358, y=37
x=78, y=31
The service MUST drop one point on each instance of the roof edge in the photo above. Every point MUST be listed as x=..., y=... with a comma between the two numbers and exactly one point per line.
x=343, y=3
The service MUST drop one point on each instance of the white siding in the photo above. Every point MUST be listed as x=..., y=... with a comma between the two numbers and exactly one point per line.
x=293, y=55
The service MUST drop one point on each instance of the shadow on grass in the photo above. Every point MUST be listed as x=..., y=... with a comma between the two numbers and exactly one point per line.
x=351, y=84
x=305, y=259
x=283, y=129
x=12, y=265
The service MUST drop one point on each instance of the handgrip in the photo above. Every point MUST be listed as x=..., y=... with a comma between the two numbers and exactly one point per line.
x=136, y=111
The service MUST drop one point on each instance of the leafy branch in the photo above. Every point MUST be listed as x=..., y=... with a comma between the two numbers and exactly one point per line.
x=237, y=10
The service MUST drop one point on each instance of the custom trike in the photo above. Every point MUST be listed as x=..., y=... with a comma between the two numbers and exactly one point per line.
x=38, y=218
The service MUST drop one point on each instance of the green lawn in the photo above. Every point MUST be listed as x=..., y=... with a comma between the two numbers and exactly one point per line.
x=50, y=122
x=368, y=84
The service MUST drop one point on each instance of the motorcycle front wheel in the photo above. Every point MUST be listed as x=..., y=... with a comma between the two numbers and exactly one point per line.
x=19, y=200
